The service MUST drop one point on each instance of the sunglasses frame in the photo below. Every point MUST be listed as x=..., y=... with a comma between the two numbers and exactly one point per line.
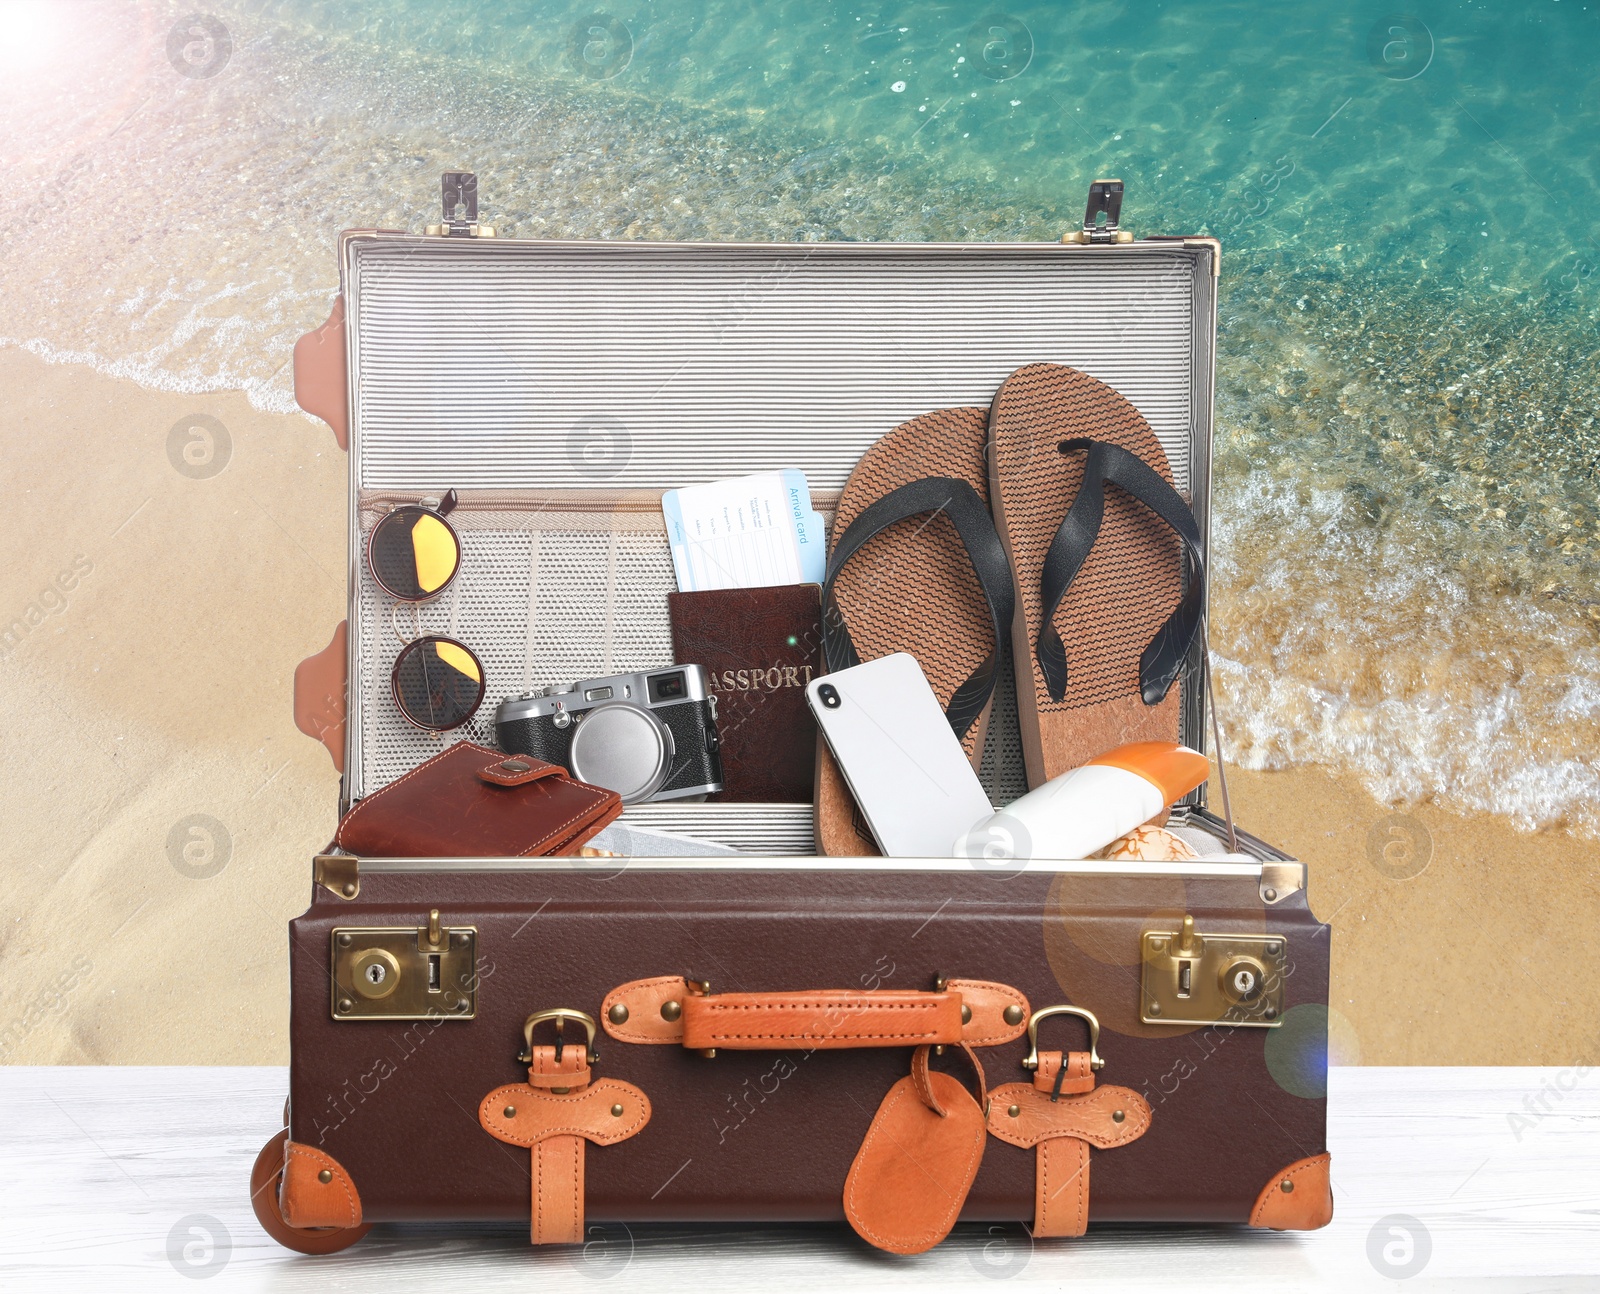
x=439, y=512
x=394, y=681
x=445, y=506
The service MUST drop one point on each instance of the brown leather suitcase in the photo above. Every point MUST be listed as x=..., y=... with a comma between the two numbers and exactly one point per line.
x=774, y=1036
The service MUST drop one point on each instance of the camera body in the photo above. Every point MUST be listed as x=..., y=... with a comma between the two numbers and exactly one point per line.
x=648, y=736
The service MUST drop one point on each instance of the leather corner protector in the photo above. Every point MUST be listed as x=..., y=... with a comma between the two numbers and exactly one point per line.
x=988, y=1002
x=1091, y=1117
x=316, y=1191
x=521, y=1115
x=643, y=1000
x=319, y=694
x=1300, y=1198
x=322, y=375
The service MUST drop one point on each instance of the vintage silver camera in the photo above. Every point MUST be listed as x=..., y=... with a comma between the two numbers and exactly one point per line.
x=648, y=736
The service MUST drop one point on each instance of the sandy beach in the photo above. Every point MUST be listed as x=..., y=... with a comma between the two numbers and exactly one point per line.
x=162, y=808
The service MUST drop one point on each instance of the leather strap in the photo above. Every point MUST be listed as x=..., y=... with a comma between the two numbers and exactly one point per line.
x=554, y=1125
x=1064, y=1074
x=825, y=1019
x=650, y=1011
x=570, y=1070
x=922, y=1080
x=518, y=770
x=1164, y=655
x=1092, y=1116
x=1063, y=1127
x=1061, y=1187
x=957, y=500
x=557, y=1207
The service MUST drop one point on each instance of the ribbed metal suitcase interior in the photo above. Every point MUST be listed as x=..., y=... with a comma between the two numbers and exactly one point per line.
x=561, y=386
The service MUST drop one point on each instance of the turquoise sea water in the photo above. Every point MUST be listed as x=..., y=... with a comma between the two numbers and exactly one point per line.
x=1405, y=578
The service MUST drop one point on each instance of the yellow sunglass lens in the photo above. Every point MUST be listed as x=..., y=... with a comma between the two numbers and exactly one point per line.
x=459, y=660
x=436, y=554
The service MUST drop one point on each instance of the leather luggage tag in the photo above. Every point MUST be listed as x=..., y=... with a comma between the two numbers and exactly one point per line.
x=916, y=1165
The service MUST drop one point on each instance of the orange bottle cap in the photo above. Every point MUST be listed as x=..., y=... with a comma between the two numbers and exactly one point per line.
x=1173, y=769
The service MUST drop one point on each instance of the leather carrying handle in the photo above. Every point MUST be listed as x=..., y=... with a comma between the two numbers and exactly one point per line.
x=826, y=1019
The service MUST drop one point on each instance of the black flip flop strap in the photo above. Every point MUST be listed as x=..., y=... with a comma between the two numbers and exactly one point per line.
x=957, y=500
x=1164, y=655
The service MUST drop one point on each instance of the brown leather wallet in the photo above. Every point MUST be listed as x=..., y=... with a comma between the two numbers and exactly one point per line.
x=469, y=801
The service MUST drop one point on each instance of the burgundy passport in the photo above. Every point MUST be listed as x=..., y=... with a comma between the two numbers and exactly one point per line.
x=759, y=649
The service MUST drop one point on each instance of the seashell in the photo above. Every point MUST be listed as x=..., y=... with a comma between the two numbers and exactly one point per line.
x=1149, y=845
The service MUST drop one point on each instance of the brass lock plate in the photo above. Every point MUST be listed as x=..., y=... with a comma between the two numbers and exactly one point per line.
x=1190, y=977
x=405, y=972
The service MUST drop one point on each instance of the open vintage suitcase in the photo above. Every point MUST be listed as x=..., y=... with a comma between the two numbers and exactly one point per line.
x=543, y=1052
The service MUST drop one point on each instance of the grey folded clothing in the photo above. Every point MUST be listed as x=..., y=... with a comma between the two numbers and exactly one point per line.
x=635, y=842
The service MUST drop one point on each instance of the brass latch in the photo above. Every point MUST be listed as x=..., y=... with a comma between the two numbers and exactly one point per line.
x=1194, y=978
x=459, y=195
x=1102, y=216
x=427, y=972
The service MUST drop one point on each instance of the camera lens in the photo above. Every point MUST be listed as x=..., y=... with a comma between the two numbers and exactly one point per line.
x=829, y=695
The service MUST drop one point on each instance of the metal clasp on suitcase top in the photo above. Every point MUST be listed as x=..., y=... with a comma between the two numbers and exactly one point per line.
x=559, y=1014
x=1044, y=1013
x=1192, y=978
x=426, y=972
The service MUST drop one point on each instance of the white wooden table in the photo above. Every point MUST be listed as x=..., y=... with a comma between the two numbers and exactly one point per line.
x=114, y=1179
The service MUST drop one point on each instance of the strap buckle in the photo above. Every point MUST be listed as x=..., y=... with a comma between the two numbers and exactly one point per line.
x=1044, y=1013
x=560, y=1015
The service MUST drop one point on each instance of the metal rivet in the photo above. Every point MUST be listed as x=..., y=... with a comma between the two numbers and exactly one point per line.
x=616, y=1111
x=1271, y=1012
x=345, y=1004
x=560, y=1091
x=1013, y=1014
x=510, y=1111
x=1155, y=1008
x=459, y=938
x=671, y=1010
x=1274, y=948
x=1271, y=896
x=966, y=1014
x=1013, y=1110
x=515, y=766
x=618, y=1014
x=1286, y=1186
x=344, y=941
x=1117, y=1116
x=349, y=889
x=325, y=1176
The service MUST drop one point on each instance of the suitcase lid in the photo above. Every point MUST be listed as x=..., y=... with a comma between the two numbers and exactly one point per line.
x=576, y=380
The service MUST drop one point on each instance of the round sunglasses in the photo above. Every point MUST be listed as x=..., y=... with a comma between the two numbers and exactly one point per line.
x=413, y=554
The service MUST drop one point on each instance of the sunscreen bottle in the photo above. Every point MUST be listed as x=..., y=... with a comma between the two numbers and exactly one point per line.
x=1085, y=809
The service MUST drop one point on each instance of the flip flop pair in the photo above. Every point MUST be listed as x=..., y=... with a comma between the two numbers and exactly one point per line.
x=965, y=526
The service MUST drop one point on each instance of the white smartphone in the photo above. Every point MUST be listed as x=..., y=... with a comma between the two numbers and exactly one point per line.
x=899, y=755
